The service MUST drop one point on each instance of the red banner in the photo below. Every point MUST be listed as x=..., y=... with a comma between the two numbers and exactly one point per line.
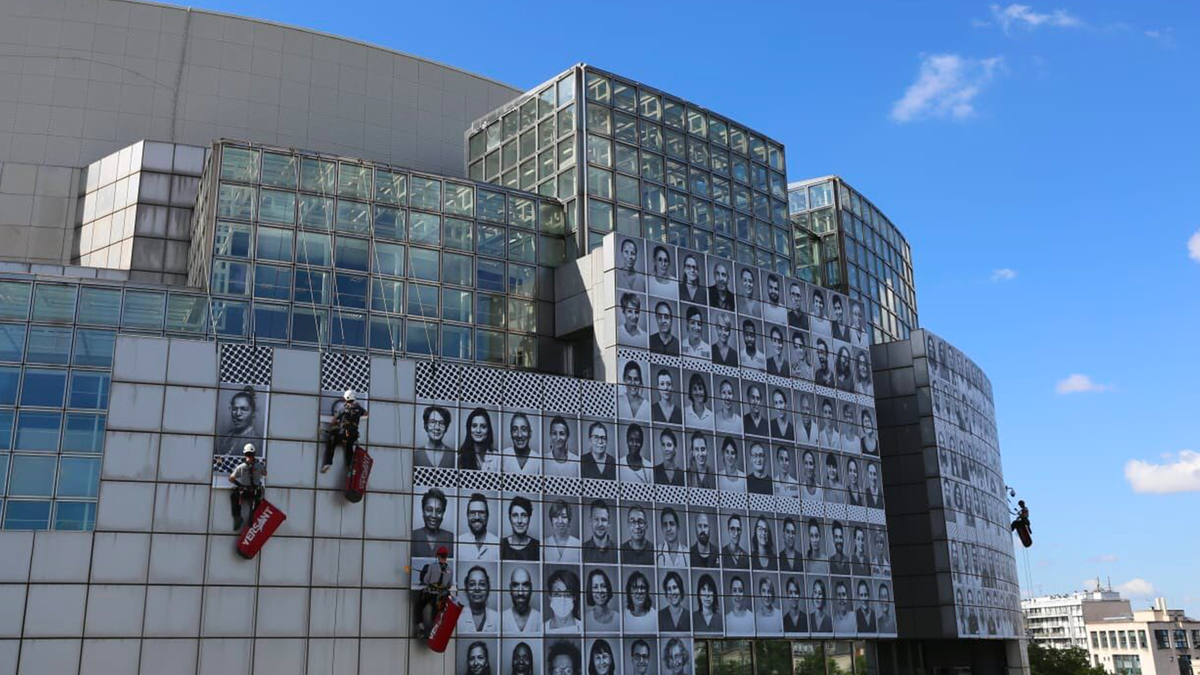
x=443, y=625
x=266, y=519
x=360, y=473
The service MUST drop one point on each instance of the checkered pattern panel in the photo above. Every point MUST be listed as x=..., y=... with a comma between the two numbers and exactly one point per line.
x=519, y=482
x=780, y=382
x=835, y=511
x=340, y=372
x=480, y=481
x=600, y=489
x=599, y=399
x=845, y=395
x=425, y=475
x=665, y=360
x=246, y=364
x=877, y=516
x=789, y=505
x=559, y=485
x=856, y=513
x=671, y=493
x=811, y=508
x=638, y=492
x=727, y=371
x=522, y=389
x=224, y=464
x=703, y=497
x=633, y=354
x=484, y=386
x=702, y=365
x=754, y=375
x=762, y=502
x=560, y=394
x=804, y=386
x=437, y=381
x=735, y=500
x=864, y=400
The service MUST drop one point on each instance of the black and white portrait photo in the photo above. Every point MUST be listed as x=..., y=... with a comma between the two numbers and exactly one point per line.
x=241, y=419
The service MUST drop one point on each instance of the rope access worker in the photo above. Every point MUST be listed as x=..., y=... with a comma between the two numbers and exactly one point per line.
x=436, y=578
x=1022, y=517
x=247, y=479
x=344, y=430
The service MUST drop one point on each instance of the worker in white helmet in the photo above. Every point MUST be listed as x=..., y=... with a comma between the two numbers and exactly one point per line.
x=247, y=479
x=344, y=430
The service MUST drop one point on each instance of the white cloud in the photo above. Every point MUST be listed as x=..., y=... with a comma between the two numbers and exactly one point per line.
x=1024, y=17
x=1077, y=383
x=1194, y=246
x=1180, y=473
x=946, y=86
x=1003, y=274
x=1136, y=587
x=1103, y=558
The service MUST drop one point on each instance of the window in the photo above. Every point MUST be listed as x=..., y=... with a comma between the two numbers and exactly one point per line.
x=274, y=244
x=54, y=302
x=316, y=212
x=349, y=329
x=351, y=291
x=228, y=277
x=145, y=309
x=385, y=333
x=270, y=321
x=277, y=207
x=353, y=217
x=279, y=170
x=1127, y=664
x=79, y=477
x=423, y=264
x=1162, y=639
x=1104, y=639
x=1095, y=641
x=354, y=181
x=101, y=306
x=312, y=286
x=78, y=516
x=240, y=164
x=421, y=337
x=46, y=344
x=43, y=388
x=390, y=223
x=489, y=346
x=310, y=325
x=14, y=300
x=235, y=201
x=94, y=347
x=391, y=188
x=230, y=317
x=312, y=249
x=9, y=379
x=84, y=433
x=231, y=240
x=272, y=282
x=351, y=254
x=389, y=259
x=425, y=228
x=457, y=305
x=27, y=515
x=1142, y=639
x=89, y=390
x=1180, y=638
x=317, y=175
x=38, y=431
x=426, y=193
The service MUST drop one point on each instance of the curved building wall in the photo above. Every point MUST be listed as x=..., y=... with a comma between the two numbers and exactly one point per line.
x=80, y=80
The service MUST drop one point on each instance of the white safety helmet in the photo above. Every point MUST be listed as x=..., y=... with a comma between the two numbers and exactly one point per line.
x=248, y=449
x=348, y=396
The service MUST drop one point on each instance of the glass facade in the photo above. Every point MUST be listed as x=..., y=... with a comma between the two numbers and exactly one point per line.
x=843, y=242
x=625, y=157
x=56, y=353
x=320, y=251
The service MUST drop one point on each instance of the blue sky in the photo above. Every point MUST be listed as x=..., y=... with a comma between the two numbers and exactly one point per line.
x=1042, y=161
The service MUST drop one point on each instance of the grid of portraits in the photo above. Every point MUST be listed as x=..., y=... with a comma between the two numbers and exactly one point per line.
x=983, y=568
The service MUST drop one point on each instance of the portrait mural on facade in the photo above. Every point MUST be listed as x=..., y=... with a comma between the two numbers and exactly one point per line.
x=974, y=499
x=710, y=488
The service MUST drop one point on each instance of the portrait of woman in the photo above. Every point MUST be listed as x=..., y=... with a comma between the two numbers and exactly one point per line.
x=698, y=414
x=478, y=450
x=600, y=659
x=635, y=468
x=767, y=616
x=729, y=413
x=562, y=455
x=242, y=424
x=843, y=370
x=810, y=483
x=666, y=406
x=785, y=473
x=673, y=617
x=731, y=477
x=669, y=469
x=834, y=491
x=782, y=426
x=819, y=620
x=632, y=403
x=522, y=662
x=561, y=544
x=724, y=349
x=639, y=605
x=739, y=614
x=701, y=475
x=795, y=619
x=863, y=382
x=479, y=659
x=676, y=660
x=868, y=440
x=762, y=545
x=707, y=617
x=691, y=287
x=562, y=657
x=629, y=270
x=854, y=493
x=601, y=615
x=662, y=280
x=802, y=358
x=695, y=344
x=520, y=544
x=851, y=442
x=433, y=447
x=562, y=602
x=631, y=331
x=828, y=435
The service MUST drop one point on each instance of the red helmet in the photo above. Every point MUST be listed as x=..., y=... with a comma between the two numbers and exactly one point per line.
x=443, y=552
